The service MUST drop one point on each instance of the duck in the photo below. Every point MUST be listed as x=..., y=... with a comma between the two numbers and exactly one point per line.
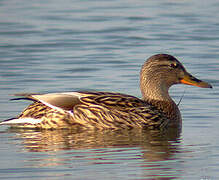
x=112, y=110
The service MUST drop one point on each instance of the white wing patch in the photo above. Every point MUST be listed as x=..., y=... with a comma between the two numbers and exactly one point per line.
x=57, y=101
x=77, y=94
x=50, y=105
x=21, y=121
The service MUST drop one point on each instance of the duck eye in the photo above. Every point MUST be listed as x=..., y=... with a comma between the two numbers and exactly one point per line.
x=174, y=65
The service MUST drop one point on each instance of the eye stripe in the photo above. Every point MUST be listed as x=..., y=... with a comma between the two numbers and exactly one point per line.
x=163, y=65
x=170, y=65
x=174, y=65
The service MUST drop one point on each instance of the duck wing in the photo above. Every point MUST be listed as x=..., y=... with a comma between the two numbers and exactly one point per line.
x=90, y=109
x=59, y=101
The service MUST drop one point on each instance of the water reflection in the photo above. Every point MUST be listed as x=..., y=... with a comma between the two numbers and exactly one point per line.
x=157, y=146
x=42, y=141
x=68, y=148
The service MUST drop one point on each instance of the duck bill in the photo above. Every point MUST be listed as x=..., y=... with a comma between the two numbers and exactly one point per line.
x=191, y=80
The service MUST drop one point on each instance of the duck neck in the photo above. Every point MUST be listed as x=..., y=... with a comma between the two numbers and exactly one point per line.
x=155, y=90
x=158, y=96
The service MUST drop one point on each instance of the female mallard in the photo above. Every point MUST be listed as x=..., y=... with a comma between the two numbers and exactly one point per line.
x=112, y=110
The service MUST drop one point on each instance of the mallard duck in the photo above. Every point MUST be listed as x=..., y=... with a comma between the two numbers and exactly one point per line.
x=107, y=110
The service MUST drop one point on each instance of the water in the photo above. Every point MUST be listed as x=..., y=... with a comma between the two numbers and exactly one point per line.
x=55, y=46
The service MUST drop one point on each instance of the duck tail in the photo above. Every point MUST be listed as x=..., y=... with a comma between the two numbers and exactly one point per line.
x=16, y=120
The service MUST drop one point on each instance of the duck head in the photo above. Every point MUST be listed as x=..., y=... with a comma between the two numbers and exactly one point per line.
x=160, y=72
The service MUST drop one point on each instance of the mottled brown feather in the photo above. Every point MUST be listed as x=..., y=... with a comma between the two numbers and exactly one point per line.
x=98, y=110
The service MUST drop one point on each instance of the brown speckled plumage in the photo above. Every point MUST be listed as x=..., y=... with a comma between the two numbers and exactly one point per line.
x=104, y=110
x=98, y=110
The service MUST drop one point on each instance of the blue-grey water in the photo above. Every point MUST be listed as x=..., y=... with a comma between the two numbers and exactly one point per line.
x=54, y=46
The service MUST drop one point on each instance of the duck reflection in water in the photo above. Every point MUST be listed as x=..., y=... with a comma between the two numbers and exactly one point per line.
x=100, y=147
x=59, y=140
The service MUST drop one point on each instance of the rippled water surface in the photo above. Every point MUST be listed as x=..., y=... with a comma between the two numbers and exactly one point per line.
x=55, y=46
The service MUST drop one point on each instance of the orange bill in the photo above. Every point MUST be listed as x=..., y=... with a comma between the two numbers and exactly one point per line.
x=191, y=80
